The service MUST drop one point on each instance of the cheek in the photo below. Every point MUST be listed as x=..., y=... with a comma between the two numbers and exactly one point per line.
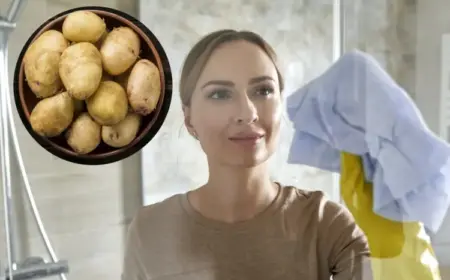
x=271, y=117
x=209, y=121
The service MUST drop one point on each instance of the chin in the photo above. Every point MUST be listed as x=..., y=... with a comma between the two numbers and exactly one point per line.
x=248, y=161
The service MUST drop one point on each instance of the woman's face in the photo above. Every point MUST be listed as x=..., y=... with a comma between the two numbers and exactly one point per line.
x=235, y=109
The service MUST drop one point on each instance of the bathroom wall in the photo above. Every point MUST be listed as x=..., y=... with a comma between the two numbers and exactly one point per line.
x=85, y=209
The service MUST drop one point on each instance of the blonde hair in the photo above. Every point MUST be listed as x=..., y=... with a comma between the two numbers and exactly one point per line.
x=202, y=50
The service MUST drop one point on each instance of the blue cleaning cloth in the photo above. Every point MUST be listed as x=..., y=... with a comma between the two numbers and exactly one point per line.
x=355, y=106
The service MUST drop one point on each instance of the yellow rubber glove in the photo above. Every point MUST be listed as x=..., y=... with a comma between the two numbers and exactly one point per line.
x=399, y=250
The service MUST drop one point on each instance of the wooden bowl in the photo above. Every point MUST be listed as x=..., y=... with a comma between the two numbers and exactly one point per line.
x=150, y=49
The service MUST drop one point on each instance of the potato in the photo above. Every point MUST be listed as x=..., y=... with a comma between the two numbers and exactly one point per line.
x=52, y=115
x=122, y=133
x=41, y=63
x=42, y=74
x=50, y=40
x=109, y=104
x=84, y=135
x=83, y=26
x=120, y=50
x=144, y=87
x=81, y=70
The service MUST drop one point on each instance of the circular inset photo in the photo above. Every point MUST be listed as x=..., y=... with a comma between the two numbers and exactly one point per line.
x=92, y=85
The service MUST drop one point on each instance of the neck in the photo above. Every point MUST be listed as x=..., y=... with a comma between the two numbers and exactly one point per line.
x=234, y=194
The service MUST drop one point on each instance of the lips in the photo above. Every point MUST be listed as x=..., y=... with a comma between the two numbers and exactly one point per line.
x=247, y=139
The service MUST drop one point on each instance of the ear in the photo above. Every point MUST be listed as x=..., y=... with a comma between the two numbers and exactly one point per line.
x=187, y=121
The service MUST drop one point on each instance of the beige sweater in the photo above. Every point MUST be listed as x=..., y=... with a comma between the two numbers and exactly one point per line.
x=301, y=235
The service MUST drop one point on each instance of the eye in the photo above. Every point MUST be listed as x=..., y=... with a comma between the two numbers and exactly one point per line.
x=220, y=94
x=264, y=91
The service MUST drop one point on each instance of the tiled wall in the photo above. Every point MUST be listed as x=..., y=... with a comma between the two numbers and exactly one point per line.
x=85, y=208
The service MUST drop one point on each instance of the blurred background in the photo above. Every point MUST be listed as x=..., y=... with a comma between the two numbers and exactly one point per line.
x=86, y=209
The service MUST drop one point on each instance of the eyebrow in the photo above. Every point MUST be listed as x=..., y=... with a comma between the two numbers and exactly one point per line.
x=230, y=84
x=260, y=79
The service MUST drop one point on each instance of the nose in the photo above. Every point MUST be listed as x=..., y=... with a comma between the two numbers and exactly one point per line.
x=246, y=112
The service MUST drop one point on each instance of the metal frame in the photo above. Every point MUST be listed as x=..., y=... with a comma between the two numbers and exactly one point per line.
x=338, y=28
x=444, y=114
x=32, y=267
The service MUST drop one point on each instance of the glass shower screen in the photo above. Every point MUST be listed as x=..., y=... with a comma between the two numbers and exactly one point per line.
x=301, y=32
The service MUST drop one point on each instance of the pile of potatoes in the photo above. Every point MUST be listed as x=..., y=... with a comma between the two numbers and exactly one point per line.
x=91, y=83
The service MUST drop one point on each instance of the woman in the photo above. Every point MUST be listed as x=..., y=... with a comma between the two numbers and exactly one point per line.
x=240, y=224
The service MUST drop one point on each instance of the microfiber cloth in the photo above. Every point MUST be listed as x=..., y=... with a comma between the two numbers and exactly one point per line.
x=356, y=107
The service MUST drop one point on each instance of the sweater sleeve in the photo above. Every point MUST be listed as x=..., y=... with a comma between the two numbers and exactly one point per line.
x=347, y=246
